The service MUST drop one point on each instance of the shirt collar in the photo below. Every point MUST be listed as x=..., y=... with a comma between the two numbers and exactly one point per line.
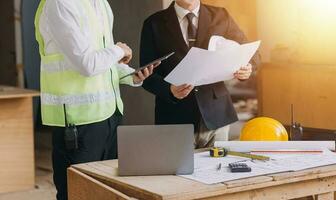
x=181, y=12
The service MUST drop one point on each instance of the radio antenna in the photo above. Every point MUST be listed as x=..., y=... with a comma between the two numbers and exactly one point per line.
x=292, y=114
x=65, y=116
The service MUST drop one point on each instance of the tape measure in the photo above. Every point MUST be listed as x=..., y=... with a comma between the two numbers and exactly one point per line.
x=218, y=152
x=222, y=152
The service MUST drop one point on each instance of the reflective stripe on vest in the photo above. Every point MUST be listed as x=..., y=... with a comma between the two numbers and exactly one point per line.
x=87, y=99
x=49, y=99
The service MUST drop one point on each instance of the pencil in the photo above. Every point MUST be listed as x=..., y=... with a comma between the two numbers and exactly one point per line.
x=288, y=151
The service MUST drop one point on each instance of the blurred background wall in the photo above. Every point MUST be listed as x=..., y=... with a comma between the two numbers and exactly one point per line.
x=8, y=72
x=129, y=17
x=30, y=52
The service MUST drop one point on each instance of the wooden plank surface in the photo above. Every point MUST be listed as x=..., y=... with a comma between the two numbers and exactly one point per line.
x=7, y=92
x=326, y=196
x=173, y=187
x=304, y=173
x=17, y=170
x=83, y=187
x=284, y=191
x=290, y=180
x=248, y=181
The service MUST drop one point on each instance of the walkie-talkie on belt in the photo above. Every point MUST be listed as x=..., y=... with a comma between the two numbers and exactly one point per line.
x=296, y=130
x=70, y=134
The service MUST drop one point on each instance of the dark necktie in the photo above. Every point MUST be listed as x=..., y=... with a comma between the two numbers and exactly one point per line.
x=192, y=30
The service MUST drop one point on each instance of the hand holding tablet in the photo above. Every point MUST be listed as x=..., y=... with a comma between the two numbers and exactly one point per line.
x=154, y=63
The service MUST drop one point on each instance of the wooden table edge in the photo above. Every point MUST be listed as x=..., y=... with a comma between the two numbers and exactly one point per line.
x=217, y=191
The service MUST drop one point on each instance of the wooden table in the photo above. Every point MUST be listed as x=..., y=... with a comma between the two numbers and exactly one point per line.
x=16, y=139
x=99, y=180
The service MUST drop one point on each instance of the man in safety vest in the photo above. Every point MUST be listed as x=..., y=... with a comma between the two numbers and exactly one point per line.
x=81, y=69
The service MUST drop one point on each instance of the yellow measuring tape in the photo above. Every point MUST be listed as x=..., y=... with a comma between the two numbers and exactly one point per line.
x=222, y=152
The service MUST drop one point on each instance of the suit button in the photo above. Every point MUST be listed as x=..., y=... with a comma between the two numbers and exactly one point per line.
x=196, y=90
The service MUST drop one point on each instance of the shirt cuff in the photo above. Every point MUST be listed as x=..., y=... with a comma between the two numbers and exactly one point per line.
x=118, y=51
x=137, y=85
x=129, y=81
x=124, y=70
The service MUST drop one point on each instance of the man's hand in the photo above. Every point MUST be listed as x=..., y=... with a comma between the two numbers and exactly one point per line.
x=145, y=73
x=182, y=91
x=244, y=73
x=128, y=53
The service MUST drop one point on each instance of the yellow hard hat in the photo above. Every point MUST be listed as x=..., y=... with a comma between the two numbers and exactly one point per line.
x=263, y=129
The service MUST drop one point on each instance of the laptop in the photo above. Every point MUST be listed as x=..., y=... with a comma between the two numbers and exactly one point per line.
x=156, y=150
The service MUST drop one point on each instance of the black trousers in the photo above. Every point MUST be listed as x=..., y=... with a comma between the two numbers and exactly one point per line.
x=96, y=142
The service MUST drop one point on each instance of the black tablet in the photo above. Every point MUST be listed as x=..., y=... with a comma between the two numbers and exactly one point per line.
x=149, y=64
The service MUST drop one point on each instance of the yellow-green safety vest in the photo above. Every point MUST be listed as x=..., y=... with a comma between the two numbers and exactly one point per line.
x=87, y=99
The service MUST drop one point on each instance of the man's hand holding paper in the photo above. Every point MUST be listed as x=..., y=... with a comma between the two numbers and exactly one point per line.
x=244, y=73
x=225, y=60
x=182, y=91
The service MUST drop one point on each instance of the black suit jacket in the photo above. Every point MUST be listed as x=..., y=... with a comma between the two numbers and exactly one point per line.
x=161, y=35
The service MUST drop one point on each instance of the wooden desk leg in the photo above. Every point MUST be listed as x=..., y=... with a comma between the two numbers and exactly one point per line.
x=83, y=187
x=326, y=196
x=17, y=168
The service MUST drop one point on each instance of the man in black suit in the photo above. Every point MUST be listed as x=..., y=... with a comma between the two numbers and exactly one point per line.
x=186, y=24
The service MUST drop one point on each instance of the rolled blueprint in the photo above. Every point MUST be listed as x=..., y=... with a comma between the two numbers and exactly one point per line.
x=269, y=146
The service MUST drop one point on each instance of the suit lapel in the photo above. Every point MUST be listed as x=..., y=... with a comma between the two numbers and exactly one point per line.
x=204, y=24
x=173, y=27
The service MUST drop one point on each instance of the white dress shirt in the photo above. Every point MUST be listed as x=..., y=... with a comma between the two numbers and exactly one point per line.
x=182, y=17
x=63, y=30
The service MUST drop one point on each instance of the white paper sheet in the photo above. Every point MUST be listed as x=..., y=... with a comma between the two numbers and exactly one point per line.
x=290, y=145
x=206, y=168
x=299, y=161
x=202, y=67
x=204, y=161
x=214, y=176
x=219, y=43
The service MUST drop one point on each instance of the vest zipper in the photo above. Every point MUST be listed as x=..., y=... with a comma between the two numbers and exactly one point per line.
x=115, y=94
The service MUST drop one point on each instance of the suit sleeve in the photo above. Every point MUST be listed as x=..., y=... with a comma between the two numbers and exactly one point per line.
x=154, y=84
x=236, y=34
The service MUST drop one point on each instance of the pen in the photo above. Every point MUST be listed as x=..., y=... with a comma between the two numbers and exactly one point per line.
x=219, y=167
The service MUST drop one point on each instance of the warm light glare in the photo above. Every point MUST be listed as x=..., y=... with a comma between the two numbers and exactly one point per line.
x=319, y=29
x=306, y=27
x=319, y=5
